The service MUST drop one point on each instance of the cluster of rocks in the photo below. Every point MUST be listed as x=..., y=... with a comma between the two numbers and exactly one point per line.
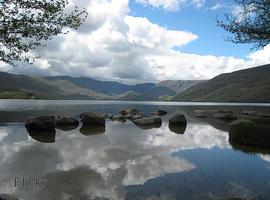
x=249, y=128
x=42, y=128
x=217, y=114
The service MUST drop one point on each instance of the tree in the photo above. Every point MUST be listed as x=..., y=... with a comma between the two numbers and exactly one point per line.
x=26, y=24
x=251, y=24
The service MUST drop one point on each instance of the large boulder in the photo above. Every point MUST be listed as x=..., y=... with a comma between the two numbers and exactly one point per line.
x=246, y=132
x=40, y=123
x=66, y=123
x=148, y=122
x=178, y=119
x=94, y=119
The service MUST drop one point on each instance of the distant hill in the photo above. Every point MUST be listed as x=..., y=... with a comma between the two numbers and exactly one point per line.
x=179, y=85
x=249, y=85
x=67, y=87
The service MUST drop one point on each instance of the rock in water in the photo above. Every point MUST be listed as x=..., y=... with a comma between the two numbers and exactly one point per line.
x=40, y=123
x=95, y=119
x=119, y=117
x=137, y=116
x=66, y=123
x=246, y=132
x=178, y=119
x=178, y=123
x=161, y=112
x=148, y=122
x=129, y=111
x=225, y=116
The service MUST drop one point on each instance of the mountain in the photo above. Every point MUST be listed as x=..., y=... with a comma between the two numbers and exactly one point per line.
x=67, y=87
x=179, y=85
x=145, y=91
x=249, y=85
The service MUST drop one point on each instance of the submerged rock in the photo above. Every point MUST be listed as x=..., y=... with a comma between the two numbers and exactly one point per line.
x=249, y=112
x=66, y=123
x=225, y=115
x=40, y=123
x=200, y=113
x=94, y=119
x=246, y=132
x=149, y=122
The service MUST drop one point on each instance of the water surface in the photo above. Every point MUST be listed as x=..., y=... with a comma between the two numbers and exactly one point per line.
x=125, y=161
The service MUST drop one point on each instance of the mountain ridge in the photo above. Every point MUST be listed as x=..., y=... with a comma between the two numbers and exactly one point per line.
x=248, y=85
x=67, y=87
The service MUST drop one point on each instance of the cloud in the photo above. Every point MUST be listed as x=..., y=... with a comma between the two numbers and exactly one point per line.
x=171, y=5
x=112, y=45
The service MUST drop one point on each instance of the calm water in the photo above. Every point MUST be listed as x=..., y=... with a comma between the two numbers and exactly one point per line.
x=127, y=162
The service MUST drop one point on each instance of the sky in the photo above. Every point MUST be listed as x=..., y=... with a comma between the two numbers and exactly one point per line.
x=137, y=41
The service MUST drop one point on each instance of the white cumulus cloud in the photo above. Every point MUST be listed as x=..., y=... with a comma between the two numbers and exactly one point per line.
x=112, y=45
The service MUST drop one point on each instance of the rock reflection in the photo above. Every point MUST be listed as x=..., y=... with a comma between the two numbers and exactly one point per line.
x=44, y=136
x=249, y=149
x=66, y=127
x=147, y=127
x=92, y=130
x=179, y=129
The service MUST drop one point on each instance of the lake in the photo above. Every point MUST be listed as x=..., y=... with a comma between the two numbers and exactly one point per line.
x=126, y=161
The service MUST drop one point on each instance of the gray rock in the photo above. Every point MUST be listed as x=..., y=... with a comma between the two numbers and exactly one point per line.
x=108, y=116
x=249, y=112
x=200, y=113
x=246, y=132
x=66, y=121
x=161, y=112
x=225, y=116
x=149, y=121
x=40, y=123
x=129, y=111
x=138, y=116
x=266, y=115
x=177, y=119
x=94, y=119
x=119, y=117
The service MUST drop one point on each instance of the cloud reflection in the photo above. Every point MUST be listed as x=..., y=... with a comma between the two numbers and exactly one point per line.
x=101, y=165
